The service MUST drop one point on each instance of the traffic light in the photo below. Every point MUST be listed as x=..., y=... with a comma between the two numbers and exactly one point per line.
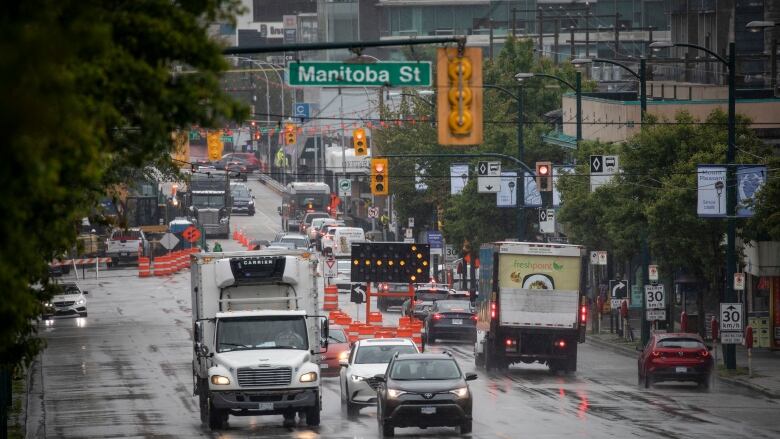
x=289, y=134
x=359, y=141
x=214, y=145
x=544, y=176
x=379, y=173
x=390, y=262
x=459, y=96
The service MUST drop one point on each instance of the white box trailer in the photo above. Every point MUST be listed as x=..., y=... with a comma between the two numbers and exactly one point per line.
x=256, y=335
x=530, y=306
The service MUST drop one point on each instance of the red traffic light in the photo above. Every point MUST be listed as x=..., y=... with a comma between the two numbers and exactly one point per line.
x=544, y=170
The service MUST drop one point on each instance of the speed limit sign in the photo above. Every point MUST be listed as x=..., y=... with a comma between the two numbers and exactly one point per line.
x=655, y=297
x=731, y=317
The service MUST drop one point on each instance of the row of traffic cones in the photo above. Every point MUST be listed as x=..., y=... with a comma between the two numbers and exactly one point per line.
x=166, y=265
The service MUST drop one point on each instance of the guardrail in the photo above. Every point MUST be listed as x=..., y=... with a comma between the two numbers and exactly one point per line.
x=273, y=184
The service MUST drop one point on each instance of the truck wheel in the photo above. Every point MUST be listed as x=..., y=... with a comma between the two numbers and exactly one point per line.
x=571, y=365
x=387, y=429
x=203, y=403
x=217, y=417
x=313, y=415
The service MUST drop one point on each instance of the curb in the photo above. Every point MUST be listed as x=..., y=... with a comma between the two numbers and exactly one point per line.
x=737, y=382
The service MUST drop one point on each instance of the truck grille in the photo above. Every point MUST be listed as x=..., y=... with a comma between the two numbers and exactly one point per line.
x=208, y=216
x=264, y=376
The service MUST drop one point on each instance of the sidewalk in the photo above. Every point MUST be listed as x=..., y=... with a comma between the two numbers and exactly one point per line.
x=766, y=364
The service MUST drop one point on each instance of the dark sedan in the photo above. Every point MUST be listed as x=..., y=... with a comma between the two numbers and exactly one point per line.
x=451, y=319
x=424, y=390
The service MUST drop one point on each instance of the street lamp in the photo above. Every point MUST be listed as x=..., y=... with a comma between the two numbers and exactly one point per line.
x=640, y=75
x=577, y=87
x=729, y=350
x=758, y=25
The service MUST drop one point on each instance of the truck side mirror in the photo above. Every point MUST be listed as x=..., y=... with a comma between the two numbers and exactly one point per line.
x=85, y=292
x=324, y=333
x=279, y=210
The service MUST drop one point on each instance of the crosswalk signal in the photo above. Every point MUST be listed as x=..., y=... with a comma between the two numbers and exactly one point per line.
x=379, y=173
x=544, y=176
x=359, y=141
x=459, y=96
x=289, y=134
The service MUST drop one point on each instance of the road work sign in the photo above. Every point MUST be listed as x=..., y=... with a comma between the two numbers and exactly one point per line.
x=344, y=74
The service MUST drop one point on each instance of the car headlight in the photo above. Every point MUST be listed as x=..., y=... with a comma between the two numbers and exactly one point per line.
x=343, y=355
x=251, y=202
x=308, y=377
x=395, y=393
x=357, y=378
x=219, y=380
x=461, y=392
x=81, y=302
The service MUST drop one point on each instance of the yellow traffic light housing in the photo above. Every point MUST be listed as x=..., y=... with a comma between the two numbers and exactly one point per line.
x=290, y=135
x=359, y=142
x=379, y=174
x=214, y=145
x=459, y=96
x=544, y=176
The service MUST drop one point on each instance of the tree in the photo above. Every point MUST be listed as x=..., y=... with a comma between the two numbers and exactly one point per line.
x=90, y=93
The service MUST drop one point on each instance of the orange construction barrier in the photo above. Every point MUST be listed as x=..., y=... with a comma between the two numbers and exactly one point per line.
x=404, y=321
x=404, y=332
x=353, y=331
x=343, y=320
x=365, y=331
x=144, y=267
x=331, y=301
x=161, y=266
x=384, y=333
x=375, y=318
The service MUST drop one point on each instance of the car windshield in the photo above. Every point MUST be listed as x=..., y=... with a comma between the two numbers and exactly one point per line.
x=431, y=296
x=202, y=200
x=297, y=242
x=239, y=192
x=433, y=369
x=679, y=342
x=381, y=354
x=313, y=216
x=246, y=333
x=337, y=336
x=454, y=305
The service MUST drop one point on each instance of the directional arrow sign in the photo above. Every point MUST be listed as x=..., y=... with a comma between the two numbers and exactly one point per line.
x=619, y=288
x=357, y=294
x=489, y=177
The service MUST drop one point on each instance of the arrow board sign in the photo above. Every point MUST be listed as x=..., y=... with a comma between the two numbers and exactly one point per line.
x=489, y=177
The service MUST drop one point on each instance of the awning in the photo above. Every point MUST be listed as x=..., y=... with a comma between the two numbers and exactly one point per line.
x=557, y=138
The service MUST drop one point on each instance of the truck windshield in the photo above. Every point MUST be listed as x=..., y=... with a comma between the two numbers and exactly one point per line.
x=200, y=200
x=262, y=332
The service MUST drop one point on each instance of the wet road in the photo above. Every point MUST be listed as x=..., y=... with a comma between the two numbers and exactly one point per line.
x=124, y=371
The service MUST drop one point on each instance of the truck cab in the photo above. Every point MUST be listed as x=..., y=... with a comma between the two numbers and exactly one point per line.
x=257, y=338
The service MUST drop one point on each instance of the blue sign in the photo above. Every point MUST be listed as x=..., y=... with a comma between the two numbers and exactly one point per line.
x=301, y=110
x=533, y=198
x=750, y=178
x=435, y=239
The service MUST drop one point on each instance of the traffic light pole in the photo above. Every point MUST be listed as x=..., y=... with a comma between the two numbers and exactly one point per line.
x=520, y=201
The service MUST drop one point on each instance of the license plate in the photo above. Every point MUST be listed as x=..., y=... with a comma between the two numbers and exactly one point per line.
x=125, y=254
x=457, y=321
x=323, y=366
x=681, y=369
x=428, y=410
x=265, y=406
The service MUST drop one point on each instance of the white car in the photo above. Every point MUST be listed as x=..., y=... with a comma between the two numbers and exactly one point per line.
x=343, y=279
x=367, y=358
x=70, y=303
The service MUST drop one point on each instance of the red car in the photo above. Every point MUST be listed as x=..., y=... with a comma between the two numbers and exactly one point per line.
x=246, y=158
x=675, y=357
x=338, y=349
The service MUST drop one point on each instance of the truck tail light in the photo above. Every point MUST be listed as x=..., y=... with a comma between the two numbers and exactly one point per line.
x=560, y=344
x=492, y=310
x=583, y=314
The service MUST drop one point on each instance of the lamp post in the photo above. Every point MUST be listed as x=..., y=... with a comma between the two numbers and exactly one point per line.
x=729, y=350
x=576, y=87
x=760, y=26
x=520, y=198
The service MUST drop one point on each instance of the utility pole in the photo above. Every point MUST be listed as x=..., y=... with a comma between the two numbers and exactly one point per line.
x=514, y=22
x=540, y=24
x=520, y=201
x=556, y=23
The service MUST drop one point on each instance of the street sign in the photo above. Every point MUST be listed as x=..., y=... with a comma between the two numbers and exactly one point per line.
x=373, y=212
x=191, y=234
x=169, y=241
x=409, y=233
x=711, y=191
x=594, y=258
x=449, y=253
x=655, y=296
x=739, y=281
x=546, y=220
x=652, y=273
x=330, y=268
x=410, y=222
x=301, y=110
x=488, y=177
x=357, y=293
x=731, y=337
x=507, y=196
x=408, y=240
x=618, y=288
x=602, y=168
x=656, y=314
x=602, y=258
x=344, y=74
x=345, y=187
x=436, y=241
x=731, y=317
x=615, y=303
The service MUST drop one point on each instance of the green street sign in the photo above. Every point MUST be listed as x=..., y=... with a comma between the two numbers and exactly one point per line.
x=341, y=74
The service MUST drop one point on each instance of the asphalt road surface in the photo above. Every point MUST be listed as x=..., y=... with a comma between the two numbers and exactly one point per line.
x=124, y=371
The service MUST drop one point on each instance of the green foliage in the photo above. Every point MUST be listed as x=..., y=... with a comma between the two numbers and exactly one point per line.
x=472, y=216
x=88, y=96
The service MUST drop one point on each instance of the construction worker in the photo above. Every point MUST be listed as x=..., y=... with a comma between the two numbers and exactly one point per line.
x=217, y=247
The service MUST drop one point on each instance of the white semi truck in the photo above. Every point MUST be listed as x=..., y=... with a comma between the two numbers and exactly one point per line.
x=531, y=305
x=256, y=335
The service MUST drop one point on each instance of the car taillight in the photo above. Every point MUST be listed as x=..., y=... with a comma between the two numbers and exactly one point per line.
x=492, y=310
x=437, y=316
x=656, y=354
x=560, y=344
x=474, y=317
x=583, y=314
x=704, y=353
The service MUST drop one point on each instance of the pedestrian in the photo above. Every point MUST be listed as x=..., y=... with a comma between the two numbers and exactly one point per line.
x=217, y=247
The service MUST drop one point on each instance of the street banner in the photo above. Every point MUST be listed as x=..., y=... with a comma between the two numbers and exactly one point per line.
x=557, y=172
x=507, y=196
x=533, y=198
x=711, y=189
x=459, y=177
x=419, y=183
x=750, y=178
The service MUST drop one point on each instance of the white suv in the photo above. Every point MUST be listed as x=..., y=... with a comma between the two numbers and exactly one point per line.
x=367, y=358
